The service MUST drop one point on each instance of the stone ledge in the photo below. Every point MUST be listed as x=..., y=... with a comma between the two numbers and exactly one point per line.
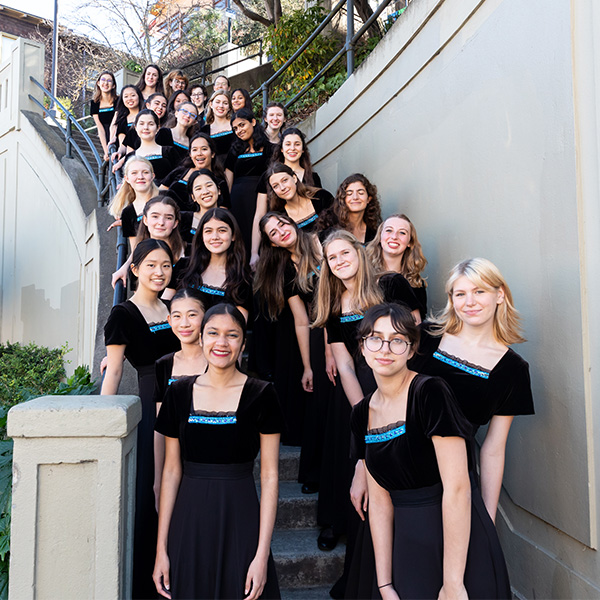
x=75, y=416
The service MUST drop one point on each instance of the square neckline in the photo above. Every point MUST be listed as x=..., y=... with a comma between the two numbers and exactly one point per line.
x=396, y=424
x=153, y=323
x=468, y=364
x=218, y=413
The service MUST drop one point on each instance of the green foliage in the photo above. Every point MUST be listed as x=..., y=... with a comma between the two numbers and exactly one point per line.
x=133, y=65
x=206, y=29
x=291, y=31
x=27, y=372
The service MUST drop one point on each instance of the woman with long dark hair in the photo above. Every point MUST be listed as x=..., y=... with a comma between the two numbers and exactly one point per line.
x=216, y=267
x=102, y=108
x=151, y=81
x=246, y=162
x=129, y=104
x=138, y=330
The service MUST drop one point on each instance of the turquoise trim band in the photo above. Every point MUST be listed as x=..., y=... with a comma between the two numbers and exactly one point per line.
x=250, y=155
x=308, y=221
x=375, y=438
x=180, y=145
x=153, y=157
x=103, y=110
x=171, y=380
x=183, y=181
x=350, y=318
x=210, y=290
x=159, y=327
x=221, y=134
x=212, y=420
x=461, y=366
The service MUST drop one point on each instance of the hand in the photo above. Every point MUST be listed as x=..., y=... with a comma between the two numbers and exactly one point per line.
x=307, y=380
x=253, y=261
x=255, y=579
x=161, y=574
x=453, y=592
x=118, y=165
x=117, y=223
x=120, y=274
x=105, y=156
x=359, y=494
x=103, y=364
x=330, y=367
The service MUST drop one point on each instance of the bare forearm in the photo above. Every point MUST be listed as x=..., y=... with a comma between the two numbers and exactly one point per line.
x=351, y=385
x=381, y=521
x=456, y=515
x=112, y=379
x=269, y=492
x=492, y=472
x=303, y=337
x=171, y=479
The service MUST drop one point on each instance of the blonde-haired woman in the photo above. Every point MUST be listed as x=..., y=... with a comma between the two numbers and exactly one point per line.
x=396, y=249
x=468, y=346
x=127, y=207
x=348, y=287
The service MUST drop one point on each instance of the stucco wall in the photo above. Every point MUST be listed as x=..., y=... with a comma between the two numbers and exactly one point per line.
x=49, y=246
x=464, y=116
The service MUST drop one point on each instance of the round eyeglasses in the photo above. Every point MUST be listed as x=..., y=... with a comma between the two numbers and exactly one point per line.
x=397, y=346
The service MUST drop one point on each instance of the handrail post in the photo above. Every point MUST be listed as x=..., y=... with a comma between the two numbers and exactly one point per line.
x=204, y=77
x=68, y=149
x=260, y=50
x=265, y=95
x=349, y=36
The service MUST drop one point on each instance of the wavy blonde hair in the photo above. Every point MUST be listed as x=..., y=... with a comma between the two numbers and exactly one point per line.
x=210, y=115
x=126, y=194
x=413, y=260
x=485, y=275
x=330, y=289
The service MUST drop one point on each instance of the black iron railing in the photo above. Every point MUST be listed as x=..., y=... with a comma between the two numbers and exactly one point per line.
x=98, y=172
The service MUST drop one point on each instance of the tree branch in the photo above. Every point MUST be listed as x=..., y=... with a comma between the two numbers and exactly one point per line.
x=252, y=15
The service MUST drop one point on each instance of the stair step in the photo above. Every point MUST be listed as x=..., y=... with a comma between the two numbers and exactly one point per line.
x=289, y=459
x=295, y=510
x=320, y=593
x=300, y=564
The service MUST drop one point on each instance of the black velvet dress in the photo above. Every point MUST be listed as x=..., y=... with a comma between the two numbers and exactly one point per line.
x=164, y=137
x=145, y=343
x=247, y=168
x=105, y=115
x=213, y=535
x=401, y=458
x=222, y=142
x=130, y=221
x=162, y=164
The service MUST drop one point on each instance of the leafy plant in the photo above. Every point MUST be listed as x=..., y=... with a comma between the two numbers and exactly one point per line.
x=27, y=372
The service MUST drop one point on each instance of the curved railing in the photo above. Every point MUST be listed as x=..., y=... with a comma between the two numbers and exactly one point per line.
x=101, y=181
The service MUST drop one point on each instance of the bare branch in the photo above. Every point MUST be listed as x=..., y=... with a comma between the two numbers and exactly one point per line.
x=252, y=15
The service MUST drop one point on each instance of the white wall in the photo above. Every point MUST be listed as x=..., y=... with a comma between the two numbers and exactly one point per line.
x=48, y=246
x=464, y=116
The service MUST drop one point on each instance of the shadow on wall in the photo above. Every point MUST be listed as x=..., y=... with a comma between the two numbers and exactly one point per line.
x=45, y=324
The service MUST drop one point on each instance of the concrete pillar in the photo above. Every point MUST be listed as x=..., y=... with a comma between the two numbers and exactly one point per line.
x=73, y=497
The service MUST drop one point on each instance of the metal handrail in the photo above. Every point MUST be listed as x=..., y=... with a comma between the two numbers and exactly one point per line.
x=204, y=60
x=348, y=49
x=96, y=175
x=120, y=293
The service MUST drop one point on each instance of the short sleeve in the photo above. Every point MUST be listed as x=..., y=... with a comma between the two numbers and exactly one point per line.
x=317, y=180
x=178, y=272
x=164, y=137
x=94, y=108
x=117, y=331
x=334, y=332
x=358, y=426
x=162, y=374
x=167, y=421
x=261, y=188
x=225, y=200
x=129, y=221
x=173, y=177
x=132, y=139
x=231, y=160
x=290, y=288
x=397, y=289
x=270, y=416
x=438, y=410
x=519, y=398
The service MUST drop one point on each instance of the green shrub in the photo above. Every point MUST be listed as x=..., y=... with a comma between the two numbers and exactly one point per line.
x=27, y=372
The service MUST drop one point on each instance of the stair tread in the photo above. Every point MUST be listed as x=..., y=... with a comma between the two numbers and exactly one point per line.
x=318, y=593
x=291, y=543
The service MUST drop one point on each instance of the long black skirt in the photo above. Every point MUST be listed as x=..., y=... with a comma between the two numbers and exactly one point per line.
x=214, y=533
x=243, y=206
x=417, y=563
x=146, y=519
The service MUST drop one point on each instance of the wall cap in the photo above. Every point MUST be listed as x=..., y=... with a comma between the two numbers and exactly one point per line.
x=75, y=416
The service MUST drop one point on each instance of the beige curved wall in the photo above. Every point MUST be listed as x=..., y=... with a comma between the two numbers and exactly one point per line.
x=478, y=119
x=48, y=246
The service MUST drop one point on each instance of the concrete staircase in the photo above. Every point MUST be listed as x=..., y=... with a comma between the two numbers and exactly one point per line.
x=304, y=571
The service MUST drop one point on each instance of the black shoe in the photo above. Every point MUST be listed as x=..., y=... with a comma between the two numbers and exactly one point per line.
x=327, y=539
x=310, y=488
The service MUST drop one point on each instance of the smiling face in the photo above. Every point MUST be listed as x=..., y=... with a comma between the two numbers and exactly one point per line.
x=221, y=83
x=201, y=154
x=139, y=176
x=275, y=118
x=106, y=83
x=281, y=234
x=342, y=259
x=158, y=105
x=222, y=341
x=237, y=100
x=151, y=77
x=185, y=320
x=181, y=99
x=243, y=129
x=220, y=106
x=131, y=98
x=284, y=185
x=395, y=236
x=292, y=148
x=475, y=306
x=146, y=128
x=197, y=97
x=205, y=192
x=177, y=84
x=154, y=272
x=186, y=114
x=385, y=362
x=217, y=236
x=160, y=221
x=357, y=197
